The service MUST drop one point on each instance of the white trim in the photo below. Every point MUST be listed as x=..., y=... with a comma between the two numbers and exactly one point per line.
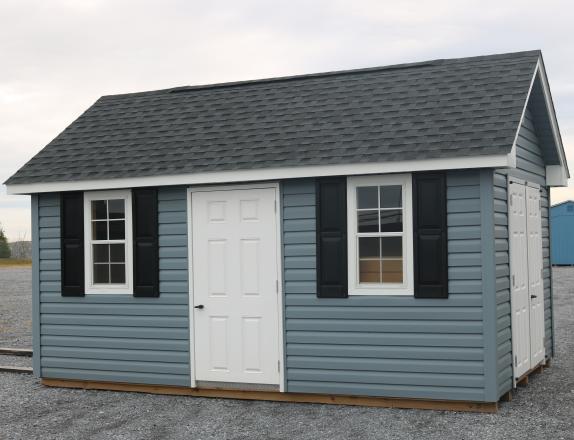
x=190, y=266
x=215, y=177
x=532, y=185
x=559, y=173
x=512, y=179
x=407, y=287
x=556, y=175
x=280, y=308
x=512, y=155
x=553, y=119
x=211, y=188
x=108, y=289
x=280, y=296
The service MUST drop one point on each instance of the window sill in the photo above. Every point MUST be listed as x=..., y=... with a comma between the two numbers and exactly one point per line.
x=380, y=291
x=109, y=292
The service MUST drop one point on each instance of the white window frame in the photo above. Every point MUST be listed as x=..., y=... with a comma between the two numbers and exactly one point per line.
x=407, y=286
x=92, y=288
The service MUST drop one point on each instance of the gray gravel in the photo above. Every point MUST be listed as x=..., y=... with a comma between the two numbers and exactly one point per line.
x=15, y=361
x=542, y=410
x=15, y=307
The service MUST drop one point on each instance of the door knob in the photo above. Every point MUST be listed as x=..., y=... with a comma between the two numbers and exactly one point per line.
x=533, y=296
x=200, y=307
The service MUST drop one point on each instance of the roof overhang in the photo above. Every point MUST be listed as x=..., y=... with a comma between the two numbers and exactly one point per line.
x=556, y=174
x=251, y=175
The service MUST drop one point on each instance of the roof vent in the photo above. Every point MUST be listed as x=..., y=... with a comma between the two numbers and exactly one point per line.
x=308, y=76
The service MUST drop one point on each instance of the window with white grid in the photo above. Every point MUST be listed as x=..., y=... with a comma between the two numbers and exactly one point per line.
x=380, y=235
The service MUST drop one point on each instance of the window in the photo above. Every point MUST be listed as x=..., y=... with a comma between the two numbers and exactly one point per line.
x=380, y=235
x=108, y=230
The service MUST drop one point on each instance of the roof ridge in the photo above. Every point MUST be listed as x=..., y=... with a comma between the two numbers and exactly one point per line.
x=390, y=67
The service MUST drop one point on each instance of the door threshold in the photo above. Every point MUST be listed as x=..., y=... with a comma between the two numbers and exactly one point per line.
x=238, y=386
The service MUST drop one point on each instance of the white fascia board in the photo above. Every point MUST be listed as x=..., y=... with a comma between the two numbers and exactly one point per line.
x=553, y=119
x=556, y=175
x=558, y=178
x=235, y=176
x=512, y=155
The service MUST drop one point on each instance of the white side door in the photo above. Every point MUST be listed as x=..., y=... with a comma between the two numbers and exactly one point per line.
x=519, y=295
x=536, y=288
x=235, y=286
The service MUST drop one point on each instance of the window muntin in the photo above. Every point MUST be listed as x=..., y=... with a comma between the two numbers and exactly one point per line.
x=108, y=247
x=108, y=241
x=380, y=235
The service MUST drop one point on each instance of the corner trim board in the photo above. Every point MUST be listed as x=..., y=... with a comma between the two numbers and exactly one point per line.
x=378, y=402
x=556, y=176
x=281, y=287
x=489, y=284
x=190, y=266
x=36, y=285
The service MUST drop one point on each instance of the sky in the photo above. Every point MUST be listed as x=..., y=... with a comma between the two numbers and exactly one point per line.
x=57, y=57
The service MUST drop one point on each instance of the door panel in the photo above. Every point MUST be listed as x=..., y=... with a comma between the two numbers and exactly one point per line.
x=234, y=246
x=519, y=279
x=251, y=333
x=218, y=334
x=216, y=256
x=249, y=266
x=536, y=288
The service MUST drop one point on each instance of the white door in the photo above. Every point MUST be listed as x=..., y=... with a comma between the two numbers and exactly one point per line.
x=519, y=278
x=536, y=288
x=527, y=290
x=235, y=286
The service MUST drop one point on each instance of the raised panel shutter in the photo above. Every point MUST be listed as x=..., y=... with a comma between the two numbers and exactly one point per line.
x=72, y=243
x=332, y=237
x=145, y=239
x=430, y=235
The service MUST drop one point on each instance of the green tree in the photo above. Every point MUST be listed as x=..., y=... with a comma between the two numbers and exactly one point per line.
x=4, y=248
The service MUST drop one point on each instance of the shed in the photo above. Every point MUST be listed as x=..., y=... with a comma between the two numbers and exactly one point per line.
x=562, y=236
x=352, y=237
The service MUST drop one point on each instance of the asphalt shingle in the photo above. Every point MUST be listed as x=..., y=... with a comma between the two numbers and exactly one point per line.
x=443, y=108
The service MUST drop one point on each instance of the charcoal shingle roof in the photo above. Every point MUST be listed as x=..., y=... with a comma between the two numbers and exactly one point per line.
x=442, y=108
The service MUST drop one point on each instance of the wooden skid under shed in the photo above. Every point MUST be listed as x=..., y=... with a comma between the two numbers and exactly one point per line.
x=380, y=402
x=524, y=379
x=15, y=351
x=11, y=369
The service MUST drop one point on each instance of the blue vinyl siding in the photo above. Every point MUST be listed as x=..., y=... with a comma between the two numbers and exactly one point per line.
x=530, y=166
x=383, y=345
x=117, y=337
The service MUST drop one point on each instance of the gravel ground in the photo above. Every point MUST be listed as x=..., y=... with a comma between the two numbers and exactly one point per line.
x=542, y=410
x=15, y=307
x=15, y=361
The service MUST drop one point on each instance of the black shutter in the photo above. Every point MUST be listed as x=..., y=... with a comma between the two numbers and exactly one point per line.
x=430, y=235
x=332, y=237
x=145, y=238
x=72, y=243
